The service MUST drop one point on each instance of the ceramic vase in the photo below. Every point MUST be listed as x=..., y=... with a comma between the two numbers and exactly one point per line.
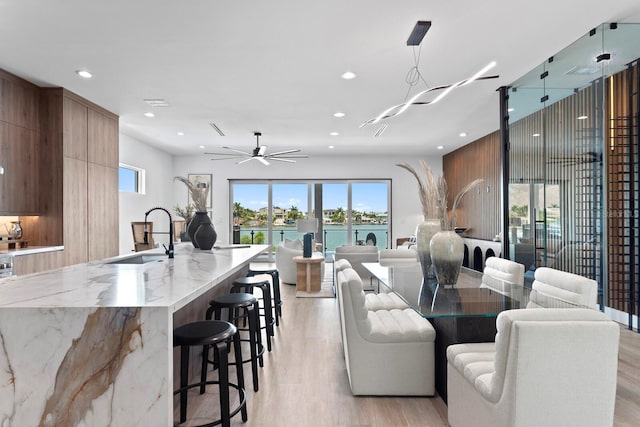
x=200, y=229
x=447, y=253
x=424, y=232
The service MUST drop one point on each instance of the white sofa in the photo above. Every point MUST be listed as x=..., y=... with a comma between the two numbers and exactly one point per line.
x=387, y=352
x=548, y=367
x=285, y=264
x=356, y=255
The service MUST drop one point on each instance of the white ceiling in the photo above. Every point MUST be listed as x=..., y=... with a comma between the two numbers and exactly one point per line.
x=275, y=66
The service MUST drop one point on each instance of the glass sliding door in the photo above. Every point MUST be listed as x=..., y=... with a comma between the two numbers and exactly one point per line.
x=335, y=221
x=290, y=203
x=369, y=213
x=250, y=213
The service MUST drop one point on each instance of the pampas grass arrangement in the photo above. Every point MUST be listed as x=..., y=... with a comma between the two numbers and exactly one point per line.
x=433, y=195
x=198, y=193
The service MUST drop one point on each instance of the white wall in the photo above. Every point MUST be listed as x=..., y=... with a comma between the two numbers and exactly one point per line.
x=405, y=209
x=158, y=166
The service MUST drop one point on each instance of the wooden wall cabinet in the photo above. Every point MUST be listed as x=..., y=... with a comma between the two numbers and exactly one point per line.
x=19, y=147
x=90, y=147
x=77, y=190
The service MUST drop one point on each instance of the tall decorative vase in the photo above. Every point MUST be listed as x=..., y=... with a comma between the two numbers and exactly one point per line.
x=447, y=253
x=424, y=232
x=201, y=231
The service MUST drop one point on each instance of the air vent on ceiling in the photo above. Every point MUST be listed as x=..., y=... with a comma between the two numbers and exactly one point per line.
x=157, y=102
x=582, y=70
x=216, y=128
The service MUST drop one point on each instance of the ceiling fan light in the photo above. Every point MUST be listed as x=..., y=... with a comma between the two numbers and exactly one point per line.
x=263, y=161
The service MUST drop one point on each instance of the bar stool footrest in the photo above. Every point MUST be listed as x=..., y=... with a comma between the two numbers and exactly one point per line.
x=232, y=412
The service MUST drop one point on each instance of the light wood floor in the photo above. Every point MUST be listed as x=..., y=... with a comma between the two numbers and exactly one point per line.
x=304, y=380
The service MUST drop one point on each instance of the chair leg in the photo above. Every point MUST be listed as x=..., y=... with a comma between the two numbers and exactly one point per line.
x=239, y=372
x=223, y=377
x=184, y=381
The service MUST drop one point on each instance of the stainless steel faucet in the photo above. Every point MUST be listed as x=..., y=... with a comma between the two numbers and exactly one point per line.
x=146, y=233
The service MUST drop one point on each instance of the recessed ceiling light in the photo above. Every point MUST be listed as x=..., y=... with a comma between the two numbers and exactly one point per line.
x=536, y=134
x=348, y=75
x=202, y=146
x=181, y=133
x=334, y=134
x=510, y=110
x=463, y=134
x=583, y=117
x=339, y=114
x=331, y=147
x=440, y=147
x=84, y=74
x=149, y=114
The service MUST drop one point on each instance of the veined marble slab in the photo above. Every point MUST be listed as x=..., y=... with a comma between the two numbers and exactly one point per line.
x=91, y=345
x=170, y=283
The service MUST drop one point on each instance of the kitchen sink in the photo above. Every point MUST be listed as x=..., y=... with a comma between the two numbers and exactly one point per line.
x=139, y=259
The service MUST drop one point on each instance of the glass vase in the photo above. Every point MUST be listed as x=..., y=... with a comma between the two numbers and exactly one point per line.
x=447, y=253
x=424, y=232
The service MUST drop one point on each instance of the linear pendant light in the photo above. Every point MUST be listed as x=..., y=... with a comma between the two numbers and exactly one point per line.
x=401, y=108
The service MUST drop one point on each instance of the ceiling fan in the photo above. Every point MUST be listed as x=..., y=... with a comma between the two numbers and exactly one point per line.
x=260, y=154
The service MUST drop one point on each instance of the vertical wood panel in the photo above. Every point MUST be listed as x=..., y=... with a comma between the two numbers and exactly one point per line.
x=75, y=129
x=102, y=139
x=479, y=211
x=75, y=211
x=102, y=202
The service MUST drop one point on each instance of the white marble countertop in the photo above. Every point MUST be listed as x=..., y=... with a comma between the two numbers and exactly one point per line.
x=30, y=250
x=171, y=283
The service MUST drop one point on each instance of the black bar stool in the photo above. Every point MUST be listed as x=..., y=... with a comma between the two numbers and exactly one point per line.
x=269, y=268
x=247, y=285
x=235, y=303
x=219, y=335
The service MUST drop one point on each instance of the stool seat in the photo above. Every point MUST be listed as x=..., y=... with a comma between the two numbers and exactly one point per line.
x=234, y=300
x=203, y=332
x=248, y=281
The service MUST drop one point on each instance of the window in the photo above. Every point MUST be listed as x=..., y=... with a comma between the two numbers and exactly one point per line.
x=351, y=211
x=130, y=179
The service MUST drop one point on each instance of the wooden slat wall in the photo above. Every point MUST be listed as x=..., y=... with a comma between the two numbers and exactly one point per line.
x=479, y=210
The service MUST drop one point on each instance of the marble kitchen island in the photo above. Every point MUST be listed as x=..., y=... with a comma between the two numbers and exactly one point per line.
x=91, y=344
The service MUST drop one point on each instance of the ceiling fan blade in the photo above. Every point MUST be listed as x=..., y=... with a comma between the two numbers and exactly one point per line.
x=262, y=150
x=262, y=160
x=295, y=150
x=245, y=160
x=281, y=159
x=225, y=158
x=237, y=151
x=224, y=154
x=289, y=156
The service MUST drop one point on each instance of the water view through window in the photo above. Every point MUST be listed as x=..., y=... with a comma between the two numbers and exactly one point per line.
x=352, y=212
